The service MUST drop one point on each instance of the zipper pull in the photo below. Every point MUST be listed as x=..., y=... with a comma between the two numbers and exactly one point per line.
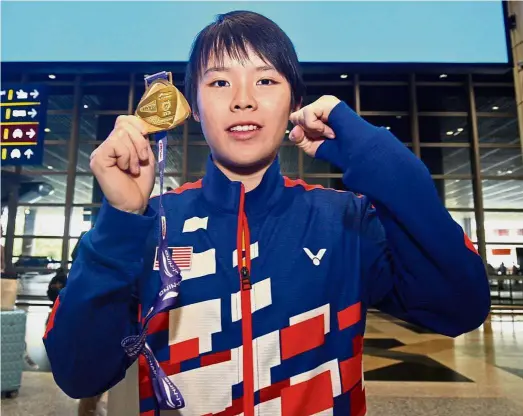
x=246, y=278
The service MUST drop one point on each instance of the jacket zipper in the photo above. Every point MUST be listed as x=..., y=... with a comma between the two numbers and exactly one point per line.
x=243, y=243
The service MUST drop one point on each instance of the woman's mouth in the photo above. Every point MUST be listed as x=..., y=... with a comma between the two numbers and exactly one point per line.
x=244, y=131
x=245, y=127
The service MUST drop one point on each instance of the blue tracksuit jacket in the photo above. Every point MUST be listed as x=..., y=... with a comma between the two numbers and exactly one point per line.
x=287, y=340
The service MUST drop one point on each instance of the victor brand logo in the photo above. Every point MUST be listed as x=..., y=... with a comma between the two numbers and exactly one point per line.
x=316, y=258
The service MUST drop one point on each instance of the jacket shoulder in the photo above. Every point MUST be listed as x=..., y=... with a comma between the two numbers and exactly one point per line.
x=331, y=205
x=187, y=187
x=321, y=192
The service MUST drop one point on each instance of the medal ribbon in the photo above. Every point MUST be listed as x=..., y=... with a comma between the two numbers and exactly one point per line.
x=167, y=394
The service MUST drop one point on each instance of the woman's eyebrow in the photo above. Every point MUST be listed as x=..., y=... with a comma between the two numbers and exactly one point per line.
x=216, y=69
x=261, y=68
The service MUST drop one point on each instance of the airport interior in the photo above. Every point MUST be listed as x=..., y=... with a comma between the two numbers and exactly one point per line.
x=464, y=120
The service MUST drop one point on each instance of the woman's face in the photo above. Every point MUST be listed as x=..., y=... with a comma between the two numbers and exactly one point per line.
x=244, y=108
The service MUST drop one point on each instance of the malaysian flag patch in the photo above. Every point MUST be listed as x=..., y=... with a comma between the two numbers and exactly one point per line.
x=182, y=256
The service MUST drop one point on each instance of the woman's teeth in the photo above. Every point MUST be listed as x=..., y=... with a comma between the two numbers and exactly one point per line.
x=244, y=128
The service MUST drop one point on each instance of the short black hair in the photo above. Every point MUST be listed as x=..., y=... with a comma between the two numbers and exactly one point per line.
x=231, y=34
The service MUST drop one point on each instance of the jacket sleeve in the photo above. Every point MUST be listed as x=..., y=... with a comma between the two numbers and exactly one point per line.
x=417, y=264
x=98, y=307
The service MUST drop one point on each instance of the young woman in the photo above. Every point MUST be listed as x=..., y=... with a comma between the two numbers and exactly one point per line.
x=277, y=274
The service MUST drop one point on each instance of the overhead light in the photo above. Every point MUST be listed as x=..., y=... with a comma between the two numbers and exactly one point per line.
x=27, y=211
x=52, y=76
x=398, y=117
x=47, y=130
x=505, y=172
x=450, y=133
x=388, y=127
x=343, y=76
x=50, y=167
x=86, y=106
x=287, y=131
x=495, y=108
x=443, y=76
x=460, y=129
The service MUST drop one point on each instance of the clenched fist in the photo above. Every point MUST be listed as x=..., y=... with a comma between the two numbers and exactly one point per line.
x=124, y=166
x=310, y=124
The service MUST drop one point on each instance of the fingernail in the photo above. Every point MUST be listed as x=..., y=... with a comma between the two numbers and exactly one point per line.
x=330, y=135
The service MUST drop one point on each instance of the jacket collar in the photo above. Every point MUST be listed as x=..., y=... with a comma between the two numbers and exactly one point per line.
x=224, y=194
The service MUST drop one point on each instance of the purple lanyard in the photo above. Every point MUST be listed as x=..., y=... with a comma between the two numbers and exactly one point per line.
x=167, y=394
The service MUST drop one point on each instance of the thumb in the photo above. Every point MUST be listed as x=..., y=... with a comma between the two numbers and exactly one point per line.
x=297, y=135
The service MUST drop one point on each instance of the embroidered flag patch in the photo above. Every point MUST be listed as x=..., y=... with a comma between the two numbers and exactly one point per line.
x=182, y=256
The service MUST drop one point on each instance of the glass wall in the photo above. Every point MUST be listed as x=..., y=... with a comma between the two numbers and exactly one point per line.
x=464, y=127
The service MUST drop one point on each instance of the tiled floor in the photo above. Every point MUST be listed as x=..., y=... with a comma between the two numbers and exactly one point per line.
x=408, y=371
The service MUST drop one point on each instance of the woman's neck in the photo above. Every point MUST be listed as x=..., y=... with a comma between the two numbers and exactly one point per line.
x=251, y=176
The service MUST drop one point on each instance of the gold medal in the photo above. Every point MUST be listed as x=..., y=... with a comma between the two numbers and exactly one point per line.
x=163, y=106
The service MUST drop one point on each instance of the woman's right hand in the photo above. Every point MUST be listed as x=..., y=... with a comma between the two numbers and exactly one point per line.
x=124, y=166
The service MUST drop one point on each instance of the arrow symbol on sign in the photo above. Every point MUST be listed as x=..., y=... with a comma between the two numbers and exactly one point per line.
x=32, y=113
x=31, y=133
x=34, y=94
x=28, y=153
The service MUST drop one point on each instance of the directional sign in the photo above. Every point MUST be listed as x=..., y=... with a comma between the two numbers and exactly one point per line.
x=22, y=123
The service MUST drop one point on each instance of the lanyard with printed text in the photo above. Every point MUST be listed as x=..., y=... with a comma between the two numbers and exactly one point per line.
x=162, y=107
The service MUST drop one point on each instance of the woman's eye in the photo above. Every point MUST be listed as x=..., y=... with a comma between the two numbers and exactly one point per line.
x=265, y=82
x=220, y=83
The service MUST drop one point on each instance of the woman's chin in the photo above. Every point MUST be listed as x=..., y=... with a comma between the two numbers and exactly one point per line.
x=247, y=162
